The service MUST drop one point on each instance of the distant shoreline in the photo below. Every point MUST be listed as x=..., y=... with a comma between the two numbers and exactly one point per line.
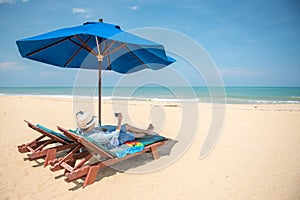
x=149, y=100
x=231, y=95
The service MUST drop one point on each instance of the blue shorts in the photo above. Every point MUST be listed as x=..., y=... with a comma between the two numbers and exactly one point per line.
x=125, y=136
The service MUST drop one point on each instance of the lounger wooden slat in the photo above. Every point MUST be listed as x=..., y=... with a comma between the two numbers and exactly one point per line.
x=46, y=145
x=89, y=171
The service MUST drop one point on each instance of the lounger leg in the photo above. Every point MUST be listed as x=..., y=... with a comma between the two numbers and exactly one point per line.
x=37, y=155
x=50, y=156
x=70, y=163
x=91, y=176
x=154, y=152
x=31, y=145
x=56, y=164
x=40, y=152
x=23, y=148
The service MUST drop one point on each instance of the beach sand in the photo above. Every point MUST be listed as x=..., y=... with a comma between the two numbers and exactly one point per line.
x=256, y=157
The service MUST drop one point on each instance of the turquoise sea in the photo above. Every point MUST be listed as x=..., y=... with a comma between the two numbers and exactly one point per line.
x=234, y=95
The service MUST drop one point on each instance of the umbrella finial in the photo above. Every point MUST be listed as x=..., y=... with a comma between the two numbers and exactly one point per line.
x=101, y=20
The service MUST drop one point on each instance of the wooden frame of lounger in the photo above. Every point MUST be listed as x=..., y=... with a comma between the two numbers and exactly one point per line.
x=75, y=171
x=39, y=147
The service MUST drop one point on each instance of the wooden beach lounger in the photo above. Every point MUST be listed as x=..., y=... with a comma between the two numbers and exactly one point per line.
x=74, y=171
x=47, y=145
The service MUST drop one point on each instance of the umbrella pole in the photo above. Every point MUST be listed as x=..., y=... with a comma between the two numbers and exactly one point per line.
x=99, y=92
x=100, y=58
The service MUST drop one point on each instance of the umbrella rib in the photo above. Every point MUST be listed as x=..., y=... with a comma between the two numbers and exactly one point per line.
x=114, y=50
x=108, y=59
x=109, y=64
x=143, y=63
x=108, y=47
x=76, y=43
x=87, y=47
x=76, y=52
x=97, y=43
x=49, y=45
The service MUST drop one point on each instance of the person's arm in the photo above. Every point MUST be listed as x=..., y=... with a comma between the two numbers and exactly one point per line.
x=120, y=117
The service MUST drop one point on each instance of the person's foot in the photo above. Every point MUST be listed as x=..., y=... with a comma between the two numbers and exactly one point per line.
x=150, y=129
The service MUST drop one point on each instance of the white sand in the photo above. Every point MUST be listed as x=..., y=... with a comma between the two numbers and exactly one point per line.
x=257, y=156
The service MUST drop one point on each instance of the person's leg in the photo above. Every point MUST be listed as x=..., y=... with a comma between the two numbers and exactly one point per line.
x=125, y=137
x=140, y=132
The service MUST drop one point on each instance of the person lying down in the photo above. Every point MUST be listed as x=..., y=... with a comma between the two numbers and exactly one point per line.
x=123, y=133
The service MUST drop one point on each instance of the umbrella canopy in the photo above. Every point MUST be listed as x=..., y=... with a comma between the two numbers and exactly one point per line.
x=118, y=50
x=95, y=45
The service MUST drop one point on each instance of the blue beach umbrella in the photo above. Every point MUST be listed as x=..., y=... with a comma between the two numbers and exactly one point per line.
x=97, y=46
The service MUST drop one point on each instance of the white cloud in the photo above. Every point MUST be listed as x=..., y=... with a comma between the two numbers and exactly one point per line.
x=12, y=66
x=79, y=10
x=12, y=1
x=82, y=12
x=133, y=7
x=7, y=1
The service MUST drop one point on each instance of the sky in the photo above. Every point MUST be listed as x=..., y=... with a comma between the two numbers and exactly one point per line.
x=252, y=43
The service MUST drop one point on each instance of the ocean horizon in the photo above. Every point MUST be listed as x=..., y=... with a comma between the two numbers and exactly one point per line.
x=200, y=94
